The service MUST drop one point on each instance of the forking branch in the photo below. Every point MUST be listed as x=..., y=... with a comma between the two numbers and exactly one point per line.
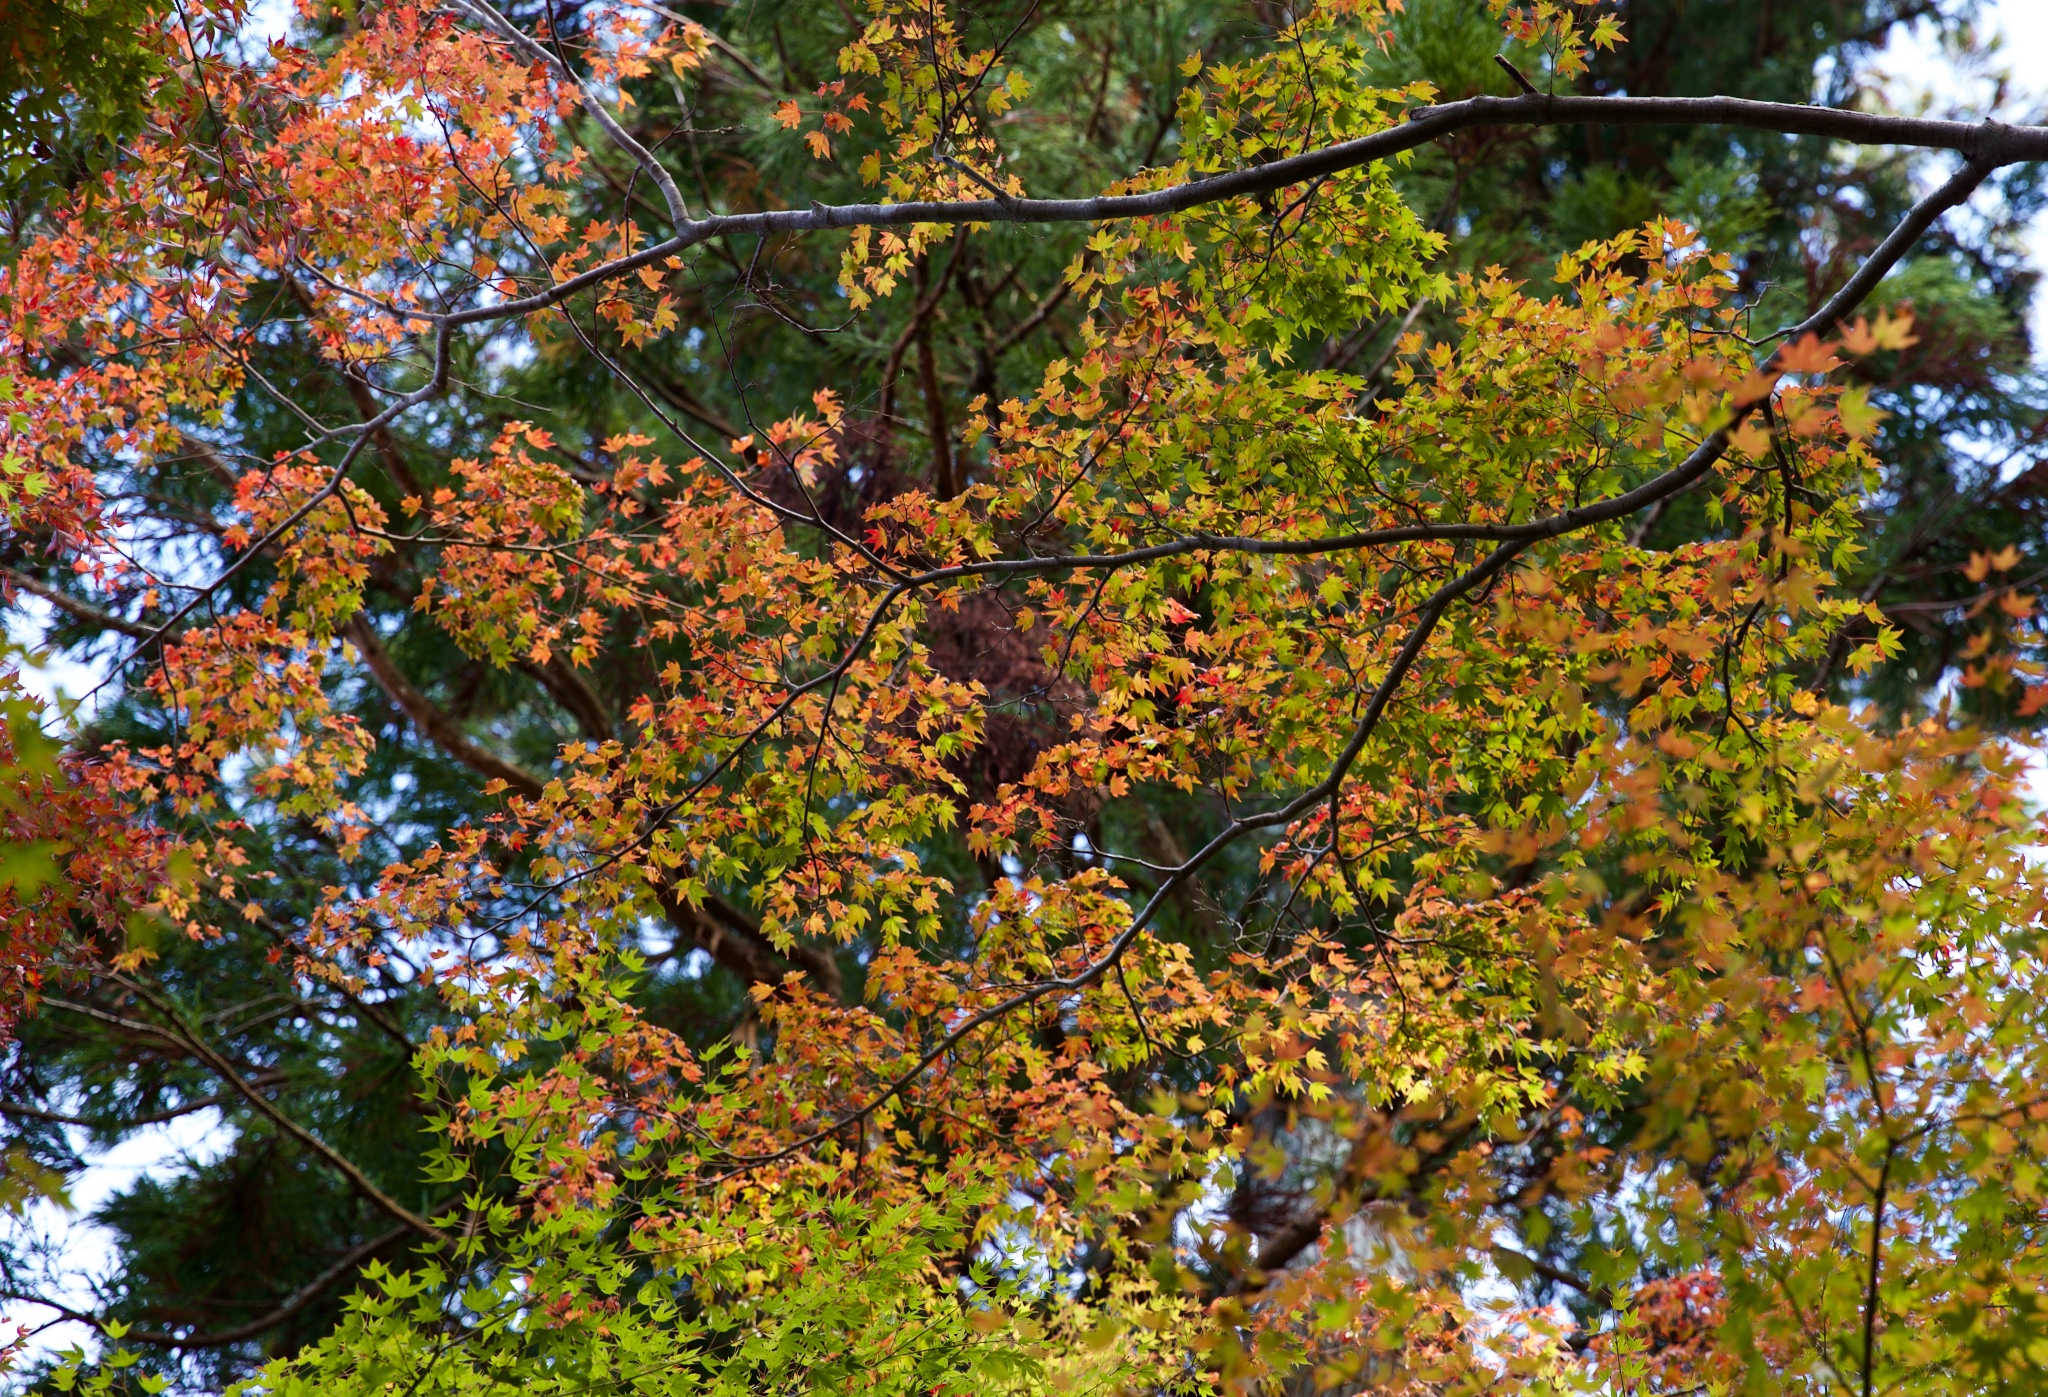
x=1987, y=146
x=1697, y=463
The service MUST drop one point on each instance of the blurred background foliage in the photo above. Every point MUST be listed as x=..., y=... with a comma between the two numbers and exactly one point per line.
x=74, y=75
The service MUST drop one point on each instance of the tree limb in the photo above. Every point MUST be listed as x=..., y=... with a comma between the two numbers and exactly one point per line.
x=735, y=940
x=343, y=1266
x=433, y=722
x=574, y=694
x=339, y=1162
x=1991, y=144
x=78, y=610
x=23, y=1111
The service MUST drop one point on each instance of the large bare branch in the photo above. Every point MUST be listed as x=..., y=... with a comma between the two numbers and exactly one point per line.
x=432, y=721
x=1990, y=143
x=74, y=607
x=22, y=1111
x=573, y=692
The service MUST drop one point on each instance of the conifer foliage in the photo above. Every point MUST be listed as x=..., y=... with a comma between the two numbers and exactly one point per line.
x=1233, y=872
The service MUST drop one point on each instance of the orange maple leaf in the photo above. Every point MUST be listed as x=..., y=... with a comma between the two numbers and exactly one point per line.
x=1808, y=354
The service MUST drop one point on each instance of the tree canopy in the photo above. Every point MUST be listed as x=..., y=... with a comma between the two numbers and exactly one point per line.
x=898, y=699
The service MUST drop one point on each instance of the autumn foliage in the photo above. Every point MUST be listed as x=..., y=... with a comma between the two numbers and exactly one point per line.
x=1618, y=1005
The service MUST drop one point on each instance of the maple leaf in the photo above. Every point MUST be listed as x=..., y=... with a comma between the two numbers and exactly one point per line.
x=1894, y=331
x=1858, y=338
x=1859, y=418
x=1807, y=355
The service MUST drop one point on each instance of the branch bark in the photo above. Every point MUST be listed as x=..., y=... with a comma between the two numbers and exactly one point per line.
x=1990, y=144
x=225, y=1070
x=80, y=610
x=574, y=694
x=430, y=720
x=735, y=940
x=23, y=1111
x=312, y=1290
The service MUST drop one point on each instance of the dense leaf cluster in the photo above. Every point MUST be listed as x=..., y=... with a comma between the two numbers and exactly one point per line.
x=577, y=734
